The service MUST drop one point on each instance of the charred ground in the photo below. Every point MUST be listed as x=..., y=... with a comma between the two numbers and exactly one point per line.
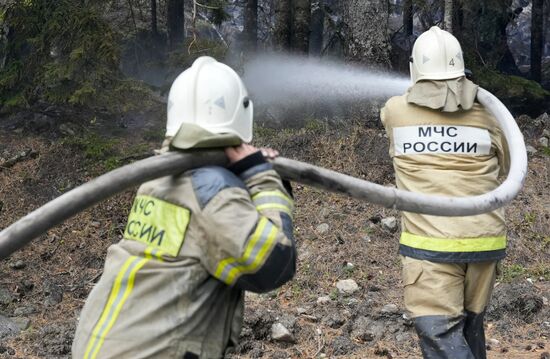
x=43, y=287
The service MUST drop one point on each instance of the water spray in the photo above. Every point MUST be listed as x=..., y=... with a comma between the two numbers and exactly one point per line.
x=321, y=81
x=291, y=80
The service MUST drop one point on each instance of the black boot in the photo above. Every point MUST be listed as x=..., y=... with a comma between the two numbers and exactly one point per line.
x=442, y=337
x=475, y=335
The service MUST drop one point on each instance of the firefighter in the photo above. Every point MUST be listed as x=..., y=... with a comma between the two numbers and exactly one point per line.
x=173, y=287
x=444, y=143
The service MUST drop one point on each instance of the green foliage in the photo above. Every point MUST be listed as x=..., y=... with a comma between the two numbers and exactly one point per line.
x=194, y=49
x=93, y=146
x=216, y=11
x=530, y=217
x=58, y=51
x=518, y=93
x=509, y=272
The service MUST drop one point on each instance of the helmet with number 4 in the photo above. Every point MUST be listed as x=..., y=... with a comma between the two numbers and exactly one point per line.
x=436, y=55
x=212, y=96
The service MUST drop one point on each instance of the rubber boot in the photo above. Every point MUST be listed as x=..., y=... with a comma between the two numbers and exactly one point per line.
x=475, y=335
x=442, y=337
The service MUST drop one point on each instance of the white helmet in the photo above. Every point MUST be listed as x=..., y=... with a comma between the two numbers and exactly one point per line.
x=212, y=96
x=436, y=55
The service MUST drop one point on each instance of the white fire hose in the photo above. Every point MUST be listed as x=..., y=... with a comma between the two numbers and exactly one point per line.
x=67, y=205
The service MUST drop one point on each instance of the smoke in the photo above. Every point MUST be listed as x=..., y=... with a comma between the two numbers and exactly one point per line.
x=292, y=80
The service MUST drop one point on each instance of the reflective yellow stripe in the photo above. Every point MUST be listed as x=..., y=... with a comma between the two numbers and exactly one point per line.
x=260, y=243
x=453, y=244
x=122, y=287
x=273, y=194
x=151, y=253
x=242, y=269
x=273, y=200
x=248, y=250
x=158, y=224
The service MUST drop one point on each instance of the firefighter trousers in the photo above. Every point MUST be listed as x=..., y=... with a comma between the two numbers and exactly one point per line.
x=447, y=302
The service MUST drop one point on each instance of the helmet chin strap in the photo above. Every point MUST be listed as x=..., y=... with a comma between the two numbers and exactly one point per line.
x=58, y=210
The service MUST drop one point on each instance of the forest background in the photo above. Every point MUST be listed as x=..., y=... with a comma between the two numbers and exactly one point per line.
x=83, y=86
x=83, y=52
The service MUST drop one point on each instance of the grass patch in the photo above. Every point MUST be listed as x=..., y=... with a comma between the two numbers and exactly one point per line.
x=510, y=272
x=513, y=271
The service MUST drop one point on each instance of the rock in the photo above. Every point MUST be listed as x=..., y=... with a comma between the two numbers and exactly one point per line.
x=54, y=294
x=389, y=223
x=545, y=355
x=543, y=141
x=366, y=329
x=24, y=311
x=281, y=334
x=530, y=281
x=301, y=310
x=322, y=228
x=288, y=321
x=334, y=320
x=347, y=286
x=5, y=296
x=8, y=327
x=390, y=309
x=66, y=130
x=407, y=321
x=323, y=300
x=325, y=212
x=19, y=264
x=402, y=337
x=546, y=133
x=22, y=323
x=544, y=301
x=531, y=150
x=343, y=346
x=493, y=342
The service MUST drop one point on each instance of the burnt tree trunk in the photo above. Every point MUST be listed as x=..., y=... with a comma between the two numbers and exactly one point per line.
x=483, y=36
x=408, y=17
x=366, y=29
x=301, y=29
x=175, y=23
x=317, y=29
x=536, y=40
x=281, y=36
x=251, y=24
x=154, y=28
x=448, y=16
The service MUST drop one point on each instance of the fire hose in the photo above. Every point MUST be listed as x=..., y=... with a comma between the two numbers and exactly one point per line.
x=67, y=205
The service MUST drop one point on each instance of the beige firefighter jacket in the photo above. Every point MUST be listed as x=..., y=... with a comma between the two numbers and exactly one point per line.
x=450, y=154
x=173, y=287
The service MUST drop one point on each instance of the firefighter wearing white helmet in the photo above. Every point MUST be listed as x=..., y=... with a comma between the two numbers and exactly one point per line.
x=444, y=143
x=173, y=287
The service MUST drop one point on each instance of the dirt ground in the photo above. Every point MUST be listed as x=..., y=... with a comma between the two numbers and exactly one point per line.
x=43, y=286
